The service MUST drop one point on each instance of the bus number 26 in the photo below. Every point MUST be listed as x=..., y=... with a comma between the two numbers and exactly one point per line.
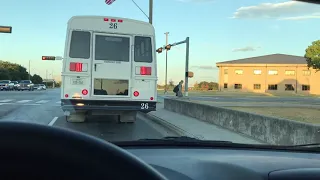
x=113, y=26
x=144, y=106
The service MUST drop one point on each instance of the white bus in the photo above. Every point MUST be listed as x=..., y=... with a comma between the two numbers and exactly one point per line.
x=109, y=67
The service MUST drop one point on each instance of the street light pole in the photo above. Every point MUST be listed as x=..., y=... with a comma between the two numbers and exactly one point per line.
x=166, y=75
x=29, y=71
x=150, y=11
x=187, y=68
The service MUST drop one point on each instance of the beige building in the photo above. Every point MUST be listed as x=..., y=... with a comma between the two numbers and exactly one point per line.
x=275, y=73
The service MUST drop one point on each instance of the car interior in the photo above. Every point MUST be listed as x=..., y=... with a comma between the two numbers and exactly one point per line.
x=39, y=151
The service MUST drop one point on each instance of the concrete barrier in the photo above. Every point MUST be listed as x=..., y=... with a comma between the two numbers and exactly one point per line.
x=267, y=129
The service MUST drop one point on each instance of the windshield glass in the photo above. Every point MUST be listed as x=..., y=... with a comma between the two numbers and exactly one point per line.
x=240, y=71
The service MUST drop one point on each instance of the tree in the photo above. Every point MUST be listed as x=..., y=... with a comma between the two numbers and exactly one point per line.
x=313, y=55
x=171, y=83
x=12, y=71
x=36, y=79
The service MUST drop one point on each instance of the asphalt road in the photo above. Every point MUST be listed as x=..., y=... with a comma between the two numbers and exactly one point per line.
x=43, y=107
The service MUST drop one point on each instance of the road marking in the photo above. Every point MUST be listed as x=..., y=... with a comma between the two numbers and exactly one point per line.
x=6, y=100
x=52, y=121
x=23, y=101
x=42, y=101
x=58, y=102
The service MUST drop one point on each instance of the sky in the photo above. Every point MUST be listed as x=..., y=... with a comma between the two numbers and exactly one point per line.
x=219, y=30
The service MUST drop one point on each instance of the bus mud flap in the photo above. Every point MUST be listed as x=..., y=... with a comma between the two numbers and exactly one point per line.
x=128, y=117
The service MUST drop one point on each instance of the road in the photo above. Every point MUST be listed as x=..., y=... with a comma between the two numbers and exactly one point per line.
x=43, y=107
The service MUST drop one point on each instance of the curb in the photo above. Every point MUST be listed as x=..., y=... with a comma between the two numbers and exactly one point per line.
x=172, y=127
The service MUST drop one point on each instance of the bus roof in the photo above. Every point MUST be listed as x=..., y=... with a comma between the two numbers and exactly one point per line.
x=97, y=23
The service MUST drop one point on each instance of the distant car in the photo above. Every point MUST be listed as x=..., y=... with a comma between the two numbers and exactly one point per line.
x=25, y=85
x=15, y=85
x=6, y=85
x=42, y=86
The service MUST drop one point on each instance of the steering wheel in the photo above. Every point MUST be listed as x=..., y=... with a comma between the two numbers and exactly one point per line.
x=43, y=152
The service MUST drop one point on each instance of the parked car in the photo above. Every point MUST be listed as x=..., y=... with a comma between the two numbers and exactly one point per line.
x=25, y=85
x=6, y=85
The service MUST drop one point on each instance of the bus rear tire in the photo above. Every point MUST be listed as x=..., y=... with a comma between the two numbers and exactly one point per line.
x=127, y=117
x=78, y=117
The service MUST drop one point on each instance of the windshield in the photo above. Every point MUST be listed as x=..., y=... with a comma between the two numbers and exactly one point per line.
x=240, y=71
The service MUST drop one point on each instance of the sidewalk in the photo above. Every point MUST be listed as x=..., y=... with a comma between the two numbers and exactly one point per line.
x=187, y=126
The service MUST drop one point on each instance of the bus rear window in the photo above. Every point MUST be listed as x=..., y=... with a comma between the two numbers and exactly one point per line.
x=112, y=48
x=142, y=49
x=80, y=45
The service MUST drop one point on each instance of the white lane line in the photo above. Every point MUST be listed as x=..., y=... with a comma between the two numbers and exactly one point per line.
x=6, y=100
x=53, y=121
x=42, y=101
x=23, y=101
x=58, y=102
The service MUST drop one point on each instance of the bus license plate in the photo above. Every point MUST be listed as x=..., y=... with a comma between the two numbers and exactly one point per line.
x=77, y=82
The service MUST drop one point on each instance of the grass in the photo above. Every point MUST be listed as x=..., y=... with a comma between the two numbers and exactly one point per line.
x=305, y=115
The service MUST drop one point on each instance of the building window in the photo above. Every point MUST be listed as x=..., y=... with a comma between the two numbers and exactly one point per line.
x=306, y=72
x=225, y=85
x=238, y=71
x=225, y=71
x=289, y=87
x=257, y=86
x=257, y=72
x=305, y=87
x=272, y=87
x=237, y=86
x=273, y=72
x=289, y=73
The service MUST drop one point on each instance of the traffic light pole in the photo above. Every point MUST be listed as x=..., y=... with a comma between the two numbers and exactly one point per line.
x=187, y=61
x=166, y=76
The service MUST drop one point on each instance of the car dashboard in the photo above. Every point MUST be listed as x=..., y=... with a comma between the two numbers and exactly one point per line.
x=230, y=164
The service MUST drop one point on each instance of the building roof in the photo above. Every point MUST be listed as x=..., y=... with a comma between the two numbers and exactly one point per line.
x=269, y=59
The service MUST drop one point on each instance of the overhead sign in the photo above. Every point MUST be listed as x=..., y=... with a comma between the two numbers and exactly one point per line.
x=5, y=29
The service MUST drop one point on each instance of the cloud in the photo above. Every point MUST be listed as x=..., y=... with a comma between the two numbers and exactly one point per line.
x=294, y=18
x=204, y=67
x=245, y=49
x=281, y=10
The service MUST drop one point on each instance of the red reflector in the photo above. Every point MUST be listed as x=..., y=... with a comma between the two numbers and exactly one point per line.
x=120, y=20
x=66, y=95
x=105, y=19
x=75, y=67
x=151, y=98
x=145, y=70
x=136, y=93
x=113, y=20
x=84, y=92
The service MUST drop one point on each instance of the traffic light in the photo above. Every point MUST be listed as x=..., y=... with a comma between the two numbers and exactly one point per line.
x=159, y=50
x=48, y=58
x=5, y=29
x=168, y=47
x=189, y=74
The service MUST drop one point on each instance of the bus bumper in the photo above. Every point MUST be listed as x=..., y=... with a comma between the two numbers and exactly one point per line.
x=107, y=105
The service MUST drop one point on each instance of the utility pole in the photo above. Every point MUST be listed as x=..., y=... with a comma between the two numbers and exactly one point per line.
x=150, y=11
x=166, y=75
x=29, y=71
x=47, y=78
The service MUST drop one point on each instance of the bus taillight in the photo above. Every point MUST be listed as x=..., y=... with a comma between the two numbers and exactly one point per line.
x=84, y=92
x=136, y=94
x=145, y=70
x=74, y=66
